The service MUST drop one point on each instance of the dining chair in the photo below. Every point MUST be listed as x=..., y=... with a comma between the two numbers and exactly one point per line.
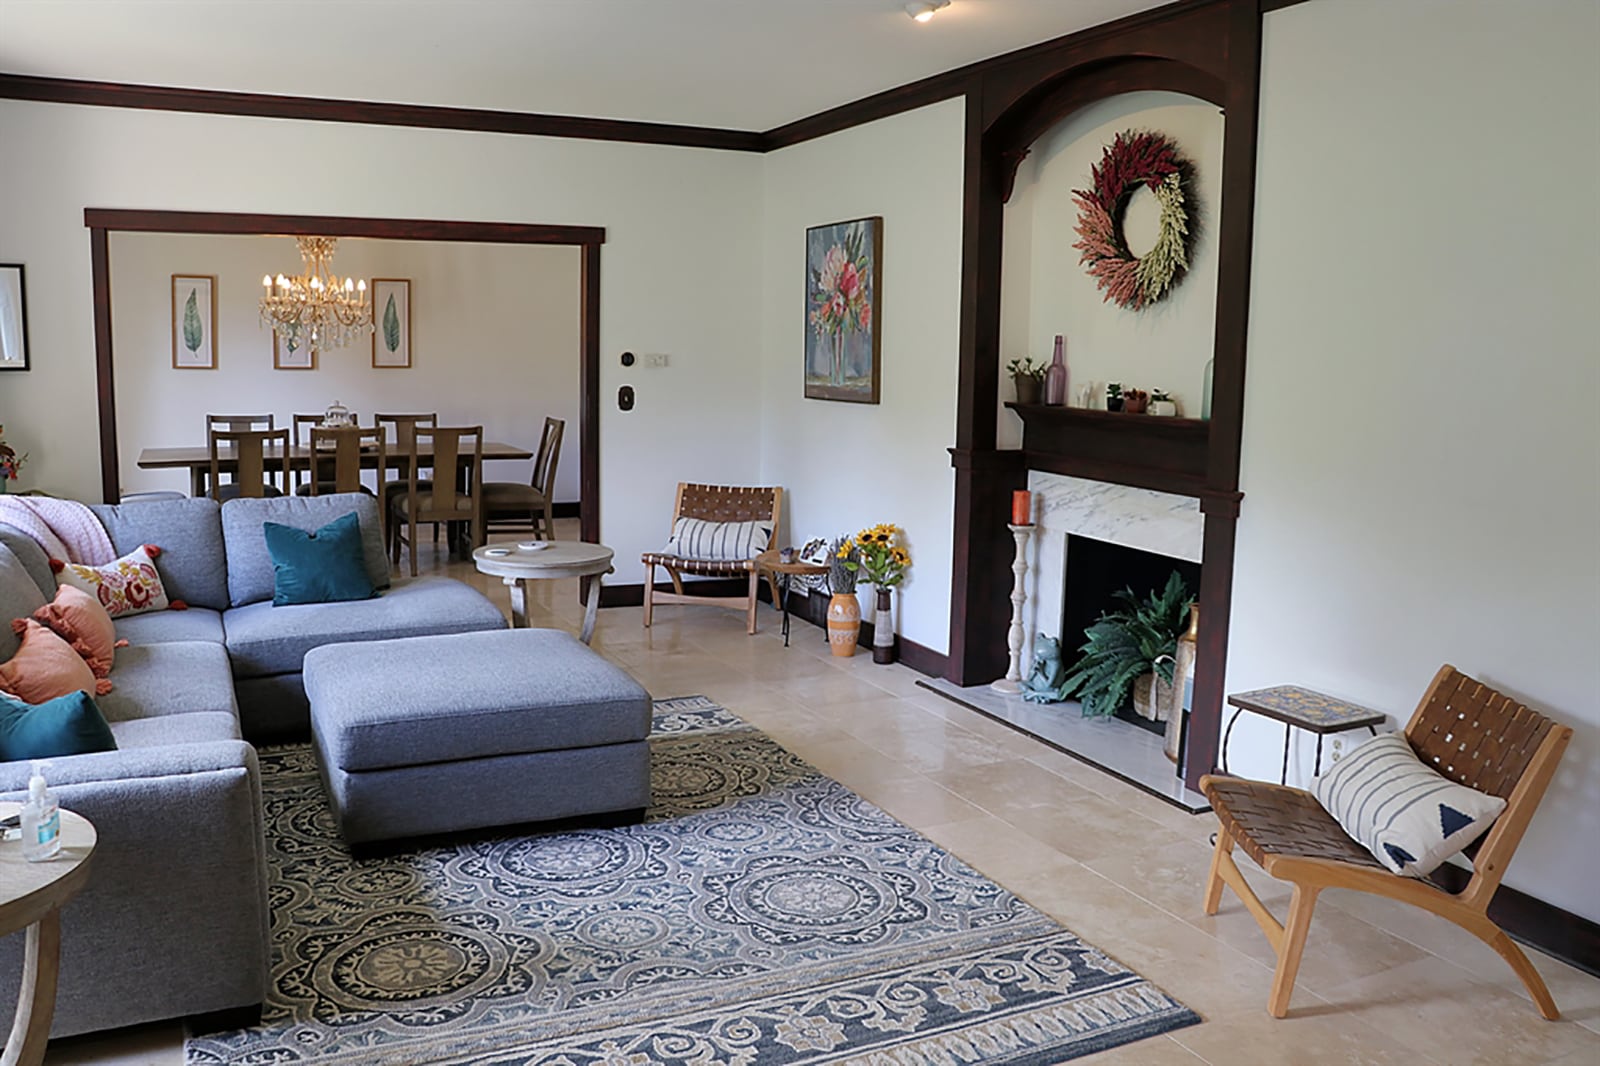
x=404, y=426
x=251, y=451
x=454, y=457
x=234, y=423
x=511, y=506
x=335, y=463
x=303, y=424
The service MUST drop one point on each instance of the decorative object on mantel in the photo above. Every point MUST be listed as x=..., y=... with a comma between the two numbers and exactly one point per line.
x=1162, y=404
x=10, y=462
x=1130, y=647
x=316, y=310
x=842, y=346
x=1135, y=158
x=1022, y=508
x=1028, y=377
x=1182, y=671
x=1087, y=391
x=1055, y=379
x=1011, y=684
x=1205, y=392
x=1134, y=401
x=844, y=610
x=1046, y=673
x=883, y=561
x=1113, y=397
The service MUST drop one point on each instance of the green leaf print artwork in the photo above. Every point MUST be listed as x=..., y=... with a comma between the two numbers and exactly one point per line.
x=391, y=326
x=191, y=324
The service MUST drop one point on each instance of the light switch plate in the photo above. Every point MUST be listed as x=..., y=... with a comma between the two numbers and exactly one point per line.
x=656, y=359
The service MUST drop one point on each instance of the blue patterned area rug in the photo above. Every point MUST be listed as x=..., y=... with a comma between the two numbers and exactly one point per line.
x=762, y=914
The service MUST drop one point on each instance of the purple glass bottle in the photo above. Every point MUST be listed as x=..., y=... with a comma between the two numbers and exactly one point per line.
x=1055, y=379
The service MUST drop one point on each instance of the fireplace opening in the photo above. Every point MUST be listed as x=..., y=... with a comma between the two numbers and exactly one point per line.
x=1096, y=571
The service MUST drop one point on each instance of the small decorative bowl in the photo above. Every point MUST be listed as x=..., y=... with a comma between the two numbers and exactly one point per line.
x=786, y=555
x=497, y=552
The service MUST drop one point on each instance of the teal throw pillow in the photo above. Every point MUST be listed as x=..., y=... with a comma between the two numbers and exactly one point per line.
x=66, y=725
x=322, y=567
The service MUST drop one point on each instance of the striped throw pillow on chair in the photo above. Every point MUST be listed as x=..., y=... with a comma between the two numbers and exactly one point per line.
x=696, y=538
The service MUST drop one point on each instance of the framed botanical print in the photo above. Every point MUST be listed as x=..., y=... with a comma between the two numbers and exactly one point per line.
x=842, y=343
x=391, y=317
x=13, y=318
x=194, y=321
x=296, y=357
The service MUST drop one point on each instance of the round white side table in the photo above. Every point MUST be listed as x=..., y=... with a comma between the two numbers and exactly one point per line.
x=560, y=559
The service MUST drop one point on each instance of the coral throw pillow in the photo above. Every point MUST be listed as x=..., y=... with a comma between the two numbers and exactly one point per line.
x=46, y=667
x=79, y=619
x=128, y=586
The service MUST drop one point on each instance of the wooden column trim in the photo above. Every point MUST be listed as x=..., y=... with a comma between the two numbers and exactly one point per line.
x=105, y=381
x=589, y=389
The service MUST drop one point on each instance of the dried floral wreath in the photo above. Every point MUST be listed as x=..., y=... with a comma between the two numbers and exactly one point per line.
x=1135, y=158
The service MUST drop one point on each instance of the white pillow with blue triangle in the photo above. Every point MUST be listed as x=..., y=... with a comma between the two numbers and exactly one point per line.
x=1403, y=811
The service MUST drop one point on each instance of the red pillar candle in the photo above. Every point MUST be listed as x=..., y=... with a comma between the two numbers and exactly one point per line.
x=1022, y=508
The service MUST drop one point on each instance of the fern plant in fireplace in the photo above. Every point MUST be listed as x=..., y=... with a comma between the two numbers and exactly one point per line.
x=1135, y=638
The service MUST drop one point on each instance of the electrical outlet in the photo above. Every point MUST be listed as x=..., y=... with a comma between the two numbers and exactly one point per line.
x=1335, y=748
x=656, y=359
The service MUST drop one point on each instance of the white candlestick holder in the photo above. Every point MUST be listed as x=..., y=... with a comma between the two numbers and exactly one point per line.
x=1011, y=684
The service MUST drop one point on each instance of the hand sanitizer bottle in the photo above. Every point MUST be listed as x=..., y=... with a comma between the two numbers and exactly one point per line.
x=41, y=820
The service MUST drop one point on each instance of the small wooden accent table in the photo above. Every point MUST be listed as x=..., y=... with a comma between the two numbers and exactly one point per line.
x=31, y=895
x=560, y=558
x=771, y=563
x=1300, y=708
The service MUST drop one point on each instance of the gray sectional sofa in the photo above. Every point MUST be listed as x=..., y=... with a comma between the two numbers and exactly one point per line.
x=174, y=919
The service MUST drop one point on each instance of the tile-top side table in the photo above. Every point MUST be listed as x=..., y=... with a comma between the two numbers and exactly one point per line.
x=31, y=895
x=1300, y=708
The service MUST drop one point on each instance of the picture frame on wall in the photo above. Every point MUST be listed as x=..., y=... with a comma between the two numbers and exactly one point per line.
x=13, y=318
x=391, y=321
x=194, y=321
x=843, y=339
x=298, y=358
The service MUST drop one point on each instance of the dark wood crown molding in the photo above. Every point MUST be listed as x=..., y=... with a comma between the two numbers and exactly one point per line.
x=319, y=109
x=407, y=229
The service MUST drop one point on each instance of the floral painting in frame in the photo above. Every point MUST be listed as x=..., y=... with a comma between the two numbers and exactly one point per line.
x=391, y=320
x=843, y=271
x=194, y=321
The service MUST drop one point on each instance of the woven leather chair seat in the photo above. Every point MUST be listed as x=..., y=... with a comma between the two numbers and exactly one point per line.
x=700, y=567
x=1267, y=819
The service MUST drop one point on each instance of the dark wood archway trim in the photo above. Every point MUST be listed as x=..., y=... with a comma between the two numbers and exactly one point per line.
x=102, y=222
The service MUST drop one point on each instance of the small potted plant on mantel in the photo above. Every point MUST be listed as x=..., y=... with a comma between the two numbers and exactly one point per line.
x=1134, y=401
x=1161, y=403
x=1028, y=377
x=1113, y=397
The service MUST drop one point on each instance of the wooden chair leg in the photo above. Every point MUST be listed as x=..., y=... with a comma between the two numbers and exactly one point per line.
x=1301, y=904
x=1214, y=883
x=649, y=593
x=772, y=587
x=750, y=608
x=1492, y=935
x=412, y=543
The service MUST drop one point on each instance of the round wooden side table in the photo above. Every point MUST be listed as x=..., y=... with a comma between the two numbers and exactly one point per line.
x=771, y=562
x=561, y=558
x=31, y=895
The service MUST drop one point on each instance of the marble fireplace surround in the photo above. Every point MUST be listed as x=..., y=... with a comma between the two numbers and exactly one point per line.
x=1157, y=522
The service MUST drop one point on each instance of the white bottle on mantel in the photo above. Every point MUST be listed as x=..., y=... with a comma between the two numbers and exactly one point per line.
x=1055, y=379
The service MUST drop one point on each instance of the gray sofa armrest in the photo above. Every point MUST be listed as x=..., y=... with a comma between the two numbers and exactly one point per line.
x=174, y=918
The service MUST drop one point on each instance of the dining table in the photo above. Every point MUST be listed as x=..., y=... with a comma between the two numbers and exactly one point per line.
x=197, y=459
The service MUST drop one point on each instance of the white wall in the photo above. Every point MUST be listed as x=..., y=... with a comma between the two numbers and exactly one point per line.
x=683, y=228
x=1421, y=433
x=846, y=465
x=495, y=342
x=1046, y=290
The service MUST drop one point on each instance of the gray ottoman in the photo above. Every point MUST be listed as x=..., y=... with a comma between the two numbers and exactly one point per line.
x=436, y=734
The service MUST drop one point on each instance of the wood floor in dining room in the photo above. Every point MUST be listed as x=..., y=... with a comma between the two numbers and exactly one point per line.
x=1381, y=983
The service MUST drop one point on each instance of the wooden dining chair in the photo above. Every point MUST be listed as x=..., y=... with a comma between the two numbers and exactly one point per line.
x=398, y=430
x=253, y=452
x=234, y=423
x=714, y=503
x=1462, y=729
x=510, y=506
x=302, y=426
x=337, y=453
x=453, y=455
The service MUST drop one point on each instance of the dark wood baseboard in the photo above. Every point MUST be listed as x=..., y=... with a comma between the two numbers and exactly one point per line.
x=1572, y=938
x=565, y=510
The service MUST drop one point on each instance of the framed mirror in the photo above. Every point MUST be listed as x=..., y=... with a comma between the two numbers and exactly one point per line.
x=13, y=318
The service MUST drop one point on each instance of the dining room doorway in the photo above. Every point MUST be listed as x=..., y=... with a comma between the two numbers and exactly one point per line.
x=585, y=241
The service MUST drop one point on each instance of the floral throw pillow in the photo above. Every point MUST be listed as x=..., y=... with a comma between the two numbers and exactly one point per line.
x=130, y=585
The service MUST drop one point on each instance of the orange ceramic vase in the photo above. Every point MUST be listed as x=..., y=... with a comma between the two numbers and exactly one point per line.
x=844, y=623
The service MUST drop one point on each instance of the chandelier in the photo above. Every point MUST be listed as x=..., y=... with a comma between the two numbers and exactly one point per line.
x=317, y=309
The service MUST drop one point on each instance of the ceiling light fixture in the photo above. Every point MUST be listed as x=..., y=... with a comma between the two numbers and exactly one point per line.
x=317, y=309
x=922, y=10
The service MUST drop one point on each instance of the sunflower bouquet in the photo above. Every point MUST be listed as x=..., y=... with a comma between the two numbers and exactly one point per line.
x=882, y=561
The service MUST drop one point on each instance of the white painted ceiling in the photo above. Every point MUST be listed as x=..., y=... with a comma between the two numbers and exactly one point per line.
x=739, y=64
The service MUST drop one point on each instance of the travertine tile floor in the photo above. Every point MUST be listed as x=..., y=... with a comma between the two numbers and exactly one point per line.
x=1381, y=983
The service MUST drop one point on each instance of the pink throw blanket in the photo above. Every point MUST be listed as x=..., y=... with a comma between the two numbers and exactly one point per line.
x=65, y=529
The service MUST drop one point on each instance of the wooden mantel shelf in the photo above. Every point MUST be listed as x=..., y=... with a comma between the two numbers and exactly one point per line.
x=1149, y=451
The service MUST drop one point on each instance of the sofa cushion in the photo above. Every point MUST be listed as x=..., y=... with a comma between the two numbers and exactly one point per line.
x=196, y=727
x=264, y=640
x=166, y=627
x=188, y=532
x=158, y=680
x=80, y=620
x=33, y=558
x=129, y=585
x=45, y=666
x=250, y=572
x=321, y=566
x=66, y=725
x=19, y=598
x=393, y=703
